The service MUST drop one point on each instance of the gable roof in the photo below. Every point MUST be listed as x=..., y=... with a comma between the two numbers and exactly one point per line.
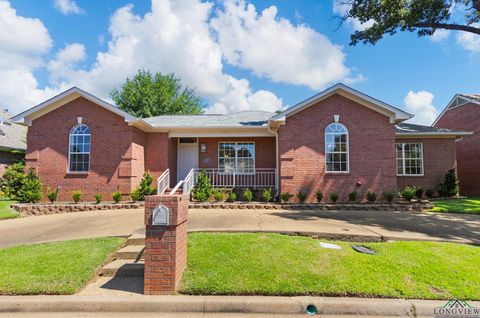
x=412, y=130
x=457, y=101
x=61, y=99
x=12, y=136
x=395, y=114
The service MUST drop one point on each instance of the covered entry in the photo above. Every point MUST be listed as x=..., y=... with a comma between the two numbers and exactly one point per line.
x=187, y=158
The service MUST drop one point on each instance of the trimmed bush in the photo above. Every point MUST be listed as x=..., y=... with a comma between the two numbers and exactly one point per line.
x=285, y=196
x=247, y=195
x=388, y=196
x=76, y=195
x=31, y=189
x=203, y=187
x=408, y=193
x=98, y=198
x=419, y=193
x=352, y=196
x=371, y=197
x=319, y=196
x=135, y=195
x=232, y=197
x=52, y=195
x=334, y=197
x=218, y=195
x=301, y=196
x=12, y=179
x=450, y=185
x=145, y=188
x=267, y=195
x=117, y=196
x=429, y=193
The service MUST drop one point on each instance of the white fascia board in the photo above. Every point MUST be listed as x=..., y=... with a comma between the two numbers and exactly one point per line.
x=450, y=103
x=209, y=132
x=398, y=115
x=434, y=134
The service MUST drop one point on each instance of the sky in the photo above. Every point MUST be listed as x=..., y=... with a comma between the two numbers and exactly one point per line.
x=238, y=55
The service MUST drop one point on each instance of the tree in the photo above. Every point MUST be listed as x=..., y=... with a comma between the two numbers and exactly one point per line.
x=422, y=16
x=146, y=95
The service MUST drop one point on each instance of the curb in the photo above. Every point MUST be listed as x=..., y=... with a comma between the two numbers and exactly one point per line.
x=220, y=304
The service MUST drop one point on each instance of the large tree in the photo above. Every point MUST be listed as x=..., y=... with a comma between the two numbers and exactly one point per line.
x=421, y=16
x=146, y=95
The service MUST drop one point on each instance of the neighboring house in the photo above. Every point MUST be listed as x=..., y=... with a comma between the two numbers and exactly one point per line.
x=463, y=112
x=338, y=140
x=13, y=141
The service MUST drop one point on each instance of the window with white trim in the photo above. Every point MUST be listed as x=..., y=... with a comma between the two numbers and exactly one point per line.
x=236, y=156
x=336, y=148
x=79, y=149
x=409, y=159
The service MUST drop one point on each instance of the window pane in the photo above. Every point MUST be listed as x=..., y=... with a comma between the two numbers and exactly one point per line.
x=79, y=148
x=336, y=148
x=410, y=160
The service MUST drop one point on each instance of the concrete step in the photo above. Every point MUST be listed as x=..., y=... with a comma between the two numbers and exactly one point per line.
x=136, y=239
x=123, y=268
x=130, y=252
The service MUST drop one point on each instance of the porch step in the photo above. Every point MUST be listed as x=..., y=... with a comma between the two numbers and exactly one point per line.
x=130, y=252
x=123, y=268
x=136, y=239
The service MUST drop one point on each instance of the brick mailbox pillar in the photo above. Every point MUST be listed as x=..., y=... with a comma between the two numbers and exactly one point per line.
x=165, y=245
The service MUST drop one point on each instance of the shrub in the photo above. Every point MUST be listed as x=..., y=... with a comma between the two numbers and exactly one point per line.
x=419, y=193
x=117, y=196
x=388, y=196
x=371, y=197
x=267, y=195
x=232, y=197
x=301, y=196
x=408, y=193
x=429, y=193
x=145, y=188
x=76, y=196
x=319, y=196
x=31, y=189
x=352, y=196
x=12, y=179
x=218, y=195
x=334, y=197
x=450, y=186
x=203, y=187
x=247, y=195
x=285, y=196
x=98, y=198
x=136, y=195
x=52, y=195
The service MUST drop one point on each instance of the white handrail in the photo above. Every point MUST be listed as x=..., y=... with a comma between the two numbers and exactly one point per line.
x=257, y=178
x=163, y=182
x=176, y=187
x=189, y=182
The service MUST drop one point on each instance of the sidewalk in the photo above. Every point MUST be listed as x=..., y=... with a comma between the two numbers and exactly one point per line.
x=325, y=306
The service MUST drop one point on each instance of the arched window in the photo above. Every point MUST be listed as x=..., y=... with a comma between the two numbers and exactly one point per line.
x=336, y=148
x=79, y=149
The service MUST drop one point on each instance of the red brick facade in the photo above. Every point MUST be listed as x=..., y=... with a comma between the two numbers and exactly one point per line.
x=466, y=118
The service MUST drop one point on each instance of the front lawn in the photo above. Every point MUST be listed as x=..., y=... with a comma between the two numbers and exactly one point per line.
x=463, y=205
x=53, y=268
x=6, y=212
x=273, y=264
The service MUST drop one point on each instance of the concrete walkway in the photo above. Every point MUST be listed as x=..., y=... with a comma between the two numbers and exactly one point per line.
x=346, y=225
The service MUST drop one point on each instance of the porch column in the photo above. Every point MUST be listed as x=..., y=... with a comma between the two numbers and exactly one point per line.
x=165, y=242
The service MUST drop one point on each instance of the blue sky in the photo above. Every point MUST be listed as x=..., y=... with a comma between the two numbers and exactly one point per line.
x=239, y=55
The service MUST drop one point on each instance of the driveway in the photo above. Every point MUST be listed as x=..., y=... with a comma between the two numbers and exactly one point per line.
x=345, y=225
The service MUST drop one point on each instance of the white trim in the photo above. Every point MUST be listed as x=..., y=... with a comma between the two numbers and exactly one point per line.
x=447, y=108
x=395, y=114
x=235, y=169
x=403, y=159
x=347, y=152
x=433, y=134
x=223, y=133
x=79, y=153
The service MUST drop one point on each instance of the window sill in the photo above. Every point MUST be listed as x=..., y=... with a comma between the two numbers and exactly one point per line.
x=337, y=173
x=77, y=174
x=410, y=175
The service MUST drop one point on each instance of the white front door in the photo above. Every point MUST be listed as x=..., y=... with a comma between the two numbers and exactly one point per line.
x=187, y=159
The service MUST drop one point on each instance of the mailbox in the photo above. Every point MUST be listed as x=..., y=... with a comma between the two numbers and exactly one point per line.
x=160, y=215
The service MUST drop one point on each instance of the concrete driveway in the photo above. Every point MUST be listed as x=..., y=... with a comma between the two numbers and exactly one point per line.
x=346, y=225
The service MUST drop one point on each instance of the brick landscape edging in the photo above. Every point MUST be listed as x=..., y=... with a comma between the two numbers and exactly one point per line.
x=415, y=206
x=27, y=209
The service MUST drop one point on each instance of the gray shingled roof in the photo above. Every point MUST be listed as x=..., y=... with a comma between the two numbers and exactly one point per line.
x=240, y=119
x=406, y=128
x=12, y=136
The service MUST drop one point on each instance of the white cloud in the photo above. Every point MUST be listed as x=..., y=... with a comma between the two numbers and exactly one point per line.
x=68, y=7
x=65, y=62
x=440, y=35
x=341, y=8
x=421, y=105
x=469, y=41
x=274, y=48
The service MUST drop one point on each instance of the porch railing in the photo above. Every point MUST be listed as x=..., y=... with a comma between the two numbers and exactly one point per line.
x=189, y=182
x=257, y=178
x=163, y=182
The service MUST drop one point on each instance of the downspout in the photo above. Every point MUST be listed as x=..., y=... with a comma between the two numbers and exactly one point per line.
x=277, y=171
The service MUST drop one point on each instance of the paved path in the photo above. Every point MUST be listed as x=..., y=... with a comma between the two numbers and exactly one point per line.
x=353, y=225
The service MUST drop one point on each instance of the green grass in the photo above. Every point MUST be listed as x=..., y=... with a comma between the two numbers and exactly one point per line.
x=53, y=268
x=465, y=205
x=273, y=264
x=6, y=212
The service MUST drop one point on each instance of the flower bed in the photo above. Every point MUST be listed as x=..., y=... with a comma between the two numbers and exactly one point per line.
x=27, y=209
x=399, y=206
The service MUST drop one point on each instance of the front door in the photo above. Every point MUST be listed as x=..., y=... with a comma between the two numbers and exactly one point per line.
x=187, y=158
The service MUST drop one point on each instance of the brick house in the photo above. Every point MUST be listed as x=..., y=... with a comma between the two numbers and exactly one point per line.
x=463, y=112
x=338, y=140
